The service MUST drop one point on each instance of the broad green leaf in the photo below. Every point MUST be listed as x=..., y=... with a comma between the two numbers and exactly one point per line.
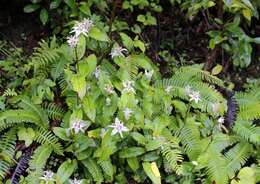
x=55, y=4
x=99, y=35
x=79, y=85
x=31, y=8
x=80, y=49
x=131, y=152
x=65, y=170
x=89, y=107
x=84, y=8
x=139, y=44
x=247, y=14
x=27, y=135
x=71, y=3
x=139, y=138
x=88, y=65
x=216, y=70
x=61, y=133
x=133, y=163
x=44, y=16
x=152, y=172
x=245, y=176
x=153, y=145
x=127, y=41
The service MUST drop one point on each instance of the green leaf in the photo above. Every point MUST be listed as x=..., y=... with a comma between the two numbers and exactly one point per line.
x=81, y=48
x=216, y=70
x=88, y=65
x=55, y=4
x=127, y=41
x=152, y=172
x=89, y=107
x=71, y=3
x=31, y=8
x=246, y=176
x=153, y=145
x=99, y=35
x=26, y=135
x=44, y=16
x=84, y=8
x=139, y=44
x=79, y=85
x=61, y=133
x=139, y=138
x=133, y=163
x=66, y=169
x=131, y=152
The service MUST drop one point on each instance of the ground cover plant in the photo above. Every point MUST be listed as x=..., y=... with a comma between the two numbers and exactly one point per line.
x=99, y=101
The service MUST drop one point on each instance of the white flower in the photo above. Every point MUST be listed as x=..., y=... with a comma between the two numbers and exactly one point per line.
x=108, y=101
x=72, y=41
x=195, y=96
x=75, y=181
x=97, y=72
x=127, y=113
x=78, y=125
x=221, y=120
x=128, y=87
x=168, y=89
x=118, y=127
x=118, y=52
x=47, y=176
x=82, y=27
x=148, y=74
x=109, y=89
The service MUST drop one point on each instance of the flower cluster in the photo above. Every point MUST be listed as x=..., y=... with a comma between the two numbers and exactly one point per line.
x=78, y=125
x=118, y=52
x=127, y=113
x=79, y=28
x=75, y=181
x=109, y=89
x=118, y=127
x=128, y=87
x=148, y=74
x=47, y=176
x=193, y=95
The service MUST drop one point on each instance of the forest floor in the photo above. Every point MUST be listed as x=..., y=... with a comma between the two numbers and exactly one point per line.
x=184, y=39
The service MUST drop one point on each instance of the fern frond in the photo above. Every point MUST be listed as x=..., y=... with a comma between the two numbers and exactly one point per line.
x=173, y=157
x=248, y=131
x=37, y=163
x=9, y=92
x=54, y=111
x=249, y=112
x=216, y=168
x=46, y=137
x=107, y=168
x=189, y=136
x=26, y=104
x=94, y=170
x=9, y=118
x=237, y=157
x=44, y=55
x=190, y=72
x=7, y=152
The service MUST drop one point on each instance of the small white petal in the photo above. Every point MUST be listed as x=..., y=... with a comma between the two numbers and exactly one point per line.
x=114, y=131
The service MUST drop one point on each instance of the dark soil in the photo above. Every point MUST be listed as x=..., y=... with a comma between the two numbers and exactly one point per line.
x=174, y=32
x=23, y=30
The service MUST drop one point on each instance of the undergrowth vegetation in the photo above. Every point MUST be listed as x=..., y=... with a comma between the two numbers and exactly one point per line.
x=89, y=105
